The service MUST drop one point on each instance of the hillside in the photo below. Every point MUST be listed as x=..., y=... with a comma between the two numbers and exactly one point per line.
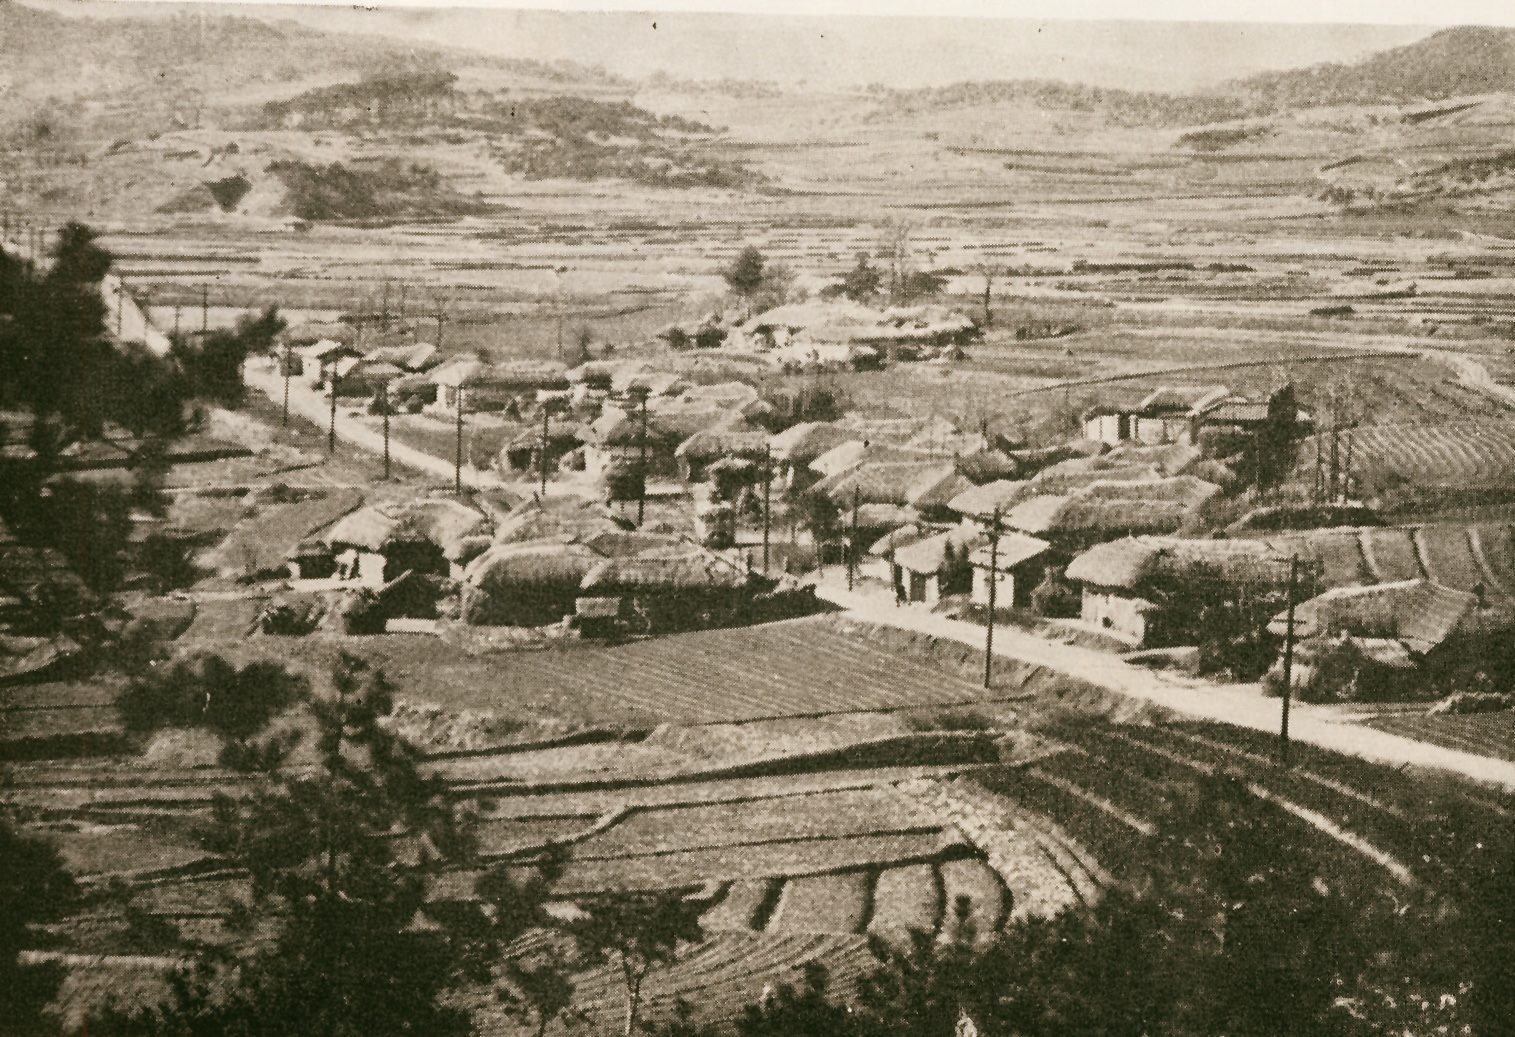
x=1450, y=63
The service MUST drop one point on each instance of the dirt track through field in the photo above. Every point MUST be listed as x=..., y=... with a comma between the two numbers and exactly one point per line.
x=1241, y=705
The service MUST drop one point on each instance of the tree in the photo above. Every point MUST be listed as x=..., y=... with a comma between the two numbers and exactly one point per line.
x=538, y=991
x=213, y=365
x=861, y=283
x=348, y=942
x=208, y=692
x=745, y=274
x=803, y=1010
x=34, y=888
x=635, y=932
x=583, y=338
x=819, y=515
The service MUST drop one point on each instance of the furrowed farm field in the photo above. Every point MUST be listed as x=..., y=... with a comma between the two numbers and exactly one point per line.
x=1428, y=457
x=800, y=668
x=1487, y=734
x=1464, y=556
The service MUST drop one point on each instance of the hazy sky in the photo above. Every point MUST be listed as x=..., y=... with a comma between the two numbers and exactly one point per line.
x=898, y=51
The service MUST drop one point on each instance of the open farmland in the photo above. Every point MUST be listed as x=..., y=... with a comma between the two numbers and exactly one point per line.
x=1487, y=734
x=798, y=668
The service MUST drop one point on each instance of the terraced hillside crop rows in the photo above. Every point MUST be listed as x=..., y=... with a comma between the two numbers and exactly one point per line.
x=1464, y=556
x=1460, y=455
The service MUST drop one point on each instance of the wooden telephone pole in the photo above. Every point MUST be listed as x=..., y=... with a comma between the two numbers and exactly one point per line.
x=204, y=308
x=767, y=502
x=642, y=466
x=331, y=428
x=285, y=419
x=1283, y=729
x=852, y=539
x=994, y=533
x=542, y=453
x=384, y=389
x=457, y=457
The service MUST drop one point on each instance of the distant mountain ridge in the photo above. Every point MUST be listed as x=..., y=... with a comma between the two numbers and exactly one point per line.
x=1449, y=63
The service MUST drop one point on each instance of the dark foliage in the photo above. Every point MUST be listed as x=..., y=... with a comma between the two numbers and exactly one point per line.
x=208, y=692
x=34, y=889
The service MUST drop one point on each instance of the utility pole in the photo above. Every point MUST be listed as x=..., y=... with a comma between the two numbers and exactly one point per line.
x=560, y=271
x=857, y=494
x=384, y=389
x=384, y=307
x=440, y=318
x=1283, y=729
x=285, y=421
x=402, y=305
x=204, y=308
x=993, y=589
x=331, y=429
x=642, y=466
x=177, y=308
x=457, y=457
x=542, y=453
x=120, y=300
x=767, y=501
x=1346, y=468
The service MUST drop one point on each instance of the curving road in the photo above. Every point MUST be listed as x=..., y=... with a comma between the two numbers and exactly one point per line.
x=1239, y=704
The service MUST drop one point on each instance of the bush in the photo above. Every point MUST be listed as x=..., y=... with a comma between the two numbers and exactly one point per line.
x=1055, y=598
x=208, y=692
x=1462, y=703
x=289, y=618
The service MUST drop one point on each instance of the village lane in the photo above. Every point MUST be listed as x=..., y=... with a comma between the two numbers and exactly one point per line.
x=263, y=375
x=1240, y=705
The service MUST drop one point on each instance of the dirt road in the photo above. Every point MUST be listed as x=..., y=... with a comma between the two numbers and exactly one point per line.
x=1241, y=705
x=263, y=375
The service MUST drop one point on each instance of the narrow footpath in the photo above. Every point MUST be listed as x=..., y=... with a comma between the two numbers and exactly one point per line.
x=1240, y=704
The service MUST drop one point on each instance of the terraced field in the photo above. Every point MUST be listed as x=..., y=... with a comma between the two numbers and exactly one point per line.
x=1463, y=556
x=800, y=668
x=1460, y=455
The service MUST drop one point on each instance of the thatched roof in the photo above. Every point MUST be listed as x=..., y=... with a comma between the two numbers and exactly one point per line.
x=314, y=331
x=936, y=488
x=441, y=520
x=1013, y=549
x=893, y=541
x=980, y=501
x=930, y=554
x=846, y=454
x=887, y=482
x=688, y=569
x=803, y=443
x=534, y=522
x=1071, y=480
x=882, y=516
x=622, y=543
x=1180, y=489
x=1168, y=458
x=559, y=561
x=986, y=465
x=731, y=440
x=1420, y=613
x=1123, y=564
x=1062, y=513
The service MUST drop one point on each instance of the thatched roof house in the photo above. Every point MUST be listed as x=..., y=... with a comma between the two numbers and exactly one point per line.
x=980, y=502
x=1097, y=517
x=664, y=571
x=526, y=584
x=801, y=444
x=1127, y=563
x=1420, y=614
